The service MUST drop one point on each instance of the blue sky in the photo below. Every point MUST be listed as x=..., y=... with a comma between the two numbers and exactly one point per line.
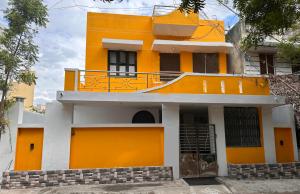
x=62, y=43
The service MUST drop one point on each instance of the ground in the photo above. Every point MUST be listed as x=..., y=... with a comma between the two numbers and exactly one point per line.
x=287, y=186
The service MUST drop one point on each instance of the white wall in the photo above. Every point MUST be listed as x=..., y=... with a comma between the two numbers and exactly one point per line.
x=104, y=114
x=33, y=118
x=216, y=117
x=8, y=139
x=170, y=120
x=268, y=134
x=57, y=136
x=283, y=117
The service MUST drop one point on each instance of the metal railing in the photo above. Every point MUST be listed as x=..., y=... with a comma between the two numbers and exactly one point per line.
x=117, y=81
x=160, y=10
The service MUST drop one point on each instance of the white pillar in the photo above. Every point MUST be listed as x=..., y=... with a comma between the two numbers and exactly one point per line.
x=268, y=134
x=170, y=120
x=57, y=136
x=216, y=117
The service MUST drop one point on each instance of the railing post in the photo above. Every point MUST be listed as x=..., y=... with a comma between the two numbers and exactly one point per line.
x=147, y=80
x=77, y=79
x=108, y=89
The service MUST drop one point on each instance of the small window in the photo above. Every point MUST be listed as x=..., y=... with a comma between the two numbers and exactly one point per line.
x=266, y=62
x=205, y=62
x=122, y=63
x=296, y=69
x=143, y=117
x=242, y=127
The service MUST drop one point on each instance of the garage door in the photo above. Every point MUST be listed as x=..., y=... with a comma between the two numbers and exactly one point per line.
x=116, y=147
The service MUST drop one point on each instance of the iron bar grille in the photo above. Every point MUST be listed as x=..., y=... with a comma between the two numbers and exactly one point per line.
x=197, y=138
x=242, y=127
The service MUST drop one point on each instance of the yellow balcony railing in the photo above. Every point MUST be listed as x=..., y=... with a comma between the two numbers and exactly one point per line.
x=165, y=82
x=114, y=81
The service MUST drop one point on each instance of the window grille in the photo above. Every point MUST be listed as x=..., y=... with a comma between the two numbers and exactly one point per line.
x=242, y=127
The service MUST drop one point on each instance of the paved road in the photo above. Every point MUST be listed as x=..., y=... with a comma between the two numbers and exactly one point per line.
x=176, y=187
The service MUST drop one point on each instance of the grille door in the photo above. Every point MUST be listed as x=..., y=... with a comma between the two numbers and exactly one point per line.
x=197, y=150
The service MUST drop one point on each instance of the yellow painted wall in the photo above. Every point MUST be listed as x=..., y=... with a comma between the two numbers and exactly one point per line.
x=27, y=158
x=245, y=155
x=251, y=86
x=25, y=91
x=103, y=25
x=116, y=147
x=69, y=81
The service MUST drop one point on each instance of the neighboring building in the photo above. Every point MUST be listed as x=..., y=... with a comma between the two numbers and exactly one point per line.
x=258, y=61
x=155, y=92
x=25, y=91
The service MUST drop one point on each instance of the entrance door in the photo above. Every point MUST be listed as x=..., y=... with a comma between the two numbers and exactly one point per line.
x=284, y=145
x=197, y=149
x=29, y=149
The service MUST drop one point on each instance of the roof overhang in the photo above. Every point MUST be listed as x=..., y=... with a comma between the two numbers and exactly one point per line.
x=171, y=46
x=122, y=44
x=155, y=98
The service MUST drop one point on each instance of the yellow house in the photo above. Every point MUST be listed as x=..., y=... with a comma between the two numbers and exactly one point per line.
x=25, y=91
x=155, y=92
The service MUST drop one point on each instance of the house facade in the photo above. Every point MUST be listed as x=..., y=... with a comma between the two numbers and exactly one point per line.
x=156, y=92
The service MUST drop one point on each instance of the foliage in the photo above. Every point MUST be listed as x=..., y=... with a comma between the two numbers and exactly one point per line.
x=290, y=49
x=267, y=18
x=192, y=5
x=17, y=49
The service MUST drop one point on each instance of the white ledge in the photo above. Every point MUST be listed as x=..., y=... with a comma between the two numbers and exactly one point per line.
x=122, y=44
x=158, y=99
x=172, y=46
x=125, y=125
x=25, y=125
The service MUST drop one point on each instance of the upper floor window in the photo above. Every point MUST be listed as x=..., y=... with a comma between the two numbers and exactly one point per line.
x=205, y=62
x=266, y=62
x=122, y=63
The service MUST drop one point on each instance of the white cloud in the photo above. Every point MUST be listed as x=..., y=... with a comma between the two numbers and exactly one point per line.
x=62, y=43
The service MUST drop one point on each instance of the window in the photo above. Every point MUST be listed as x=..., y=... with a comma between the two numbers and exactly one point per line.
x=122, y=63
x=169, y=62
x=266, y=62
x=296, y=69
x=205, y=62
x=143, y=117
x=242, y=127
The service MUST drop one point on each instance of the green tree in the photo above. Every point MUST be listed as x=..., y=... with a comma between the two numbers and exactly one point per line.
x=17, y=49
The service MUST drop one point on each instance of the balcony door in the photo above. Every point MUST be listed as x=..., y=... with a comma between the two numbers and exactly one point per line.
x=205, y=62
x=169, y=62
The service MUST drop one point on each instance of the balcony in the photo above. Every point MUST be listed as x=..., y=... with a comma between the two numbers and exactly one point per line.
x=169, y=21
x=165, y=82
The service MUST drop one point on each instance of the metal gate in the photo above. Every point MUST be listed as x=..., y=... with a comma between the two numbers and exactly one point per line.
x=198, y=151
